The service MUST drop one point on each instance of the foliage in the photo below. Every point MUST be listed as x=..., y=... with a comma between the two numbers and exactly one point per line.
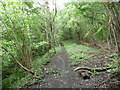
x=83, y=20
x=54, y=70
x=115, y=66
x=18, y=78
x=78, y=53
x=115, y=69
x=93, y=72
x=31, y=33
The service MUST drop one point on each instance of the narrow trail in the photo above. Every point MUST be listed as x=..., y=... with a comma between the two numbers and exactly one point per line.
x=60, y=61
x=70, y=78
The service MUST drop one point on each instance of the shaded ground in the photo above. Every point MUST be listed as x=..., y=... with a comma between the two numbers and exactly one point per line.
x=65, y=77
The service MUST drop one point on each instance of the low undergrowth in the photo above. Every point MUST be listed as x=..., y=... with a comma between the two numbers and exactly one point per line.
x=53, y=70
x=19, y=78
x=114, y=64
x=78, y=53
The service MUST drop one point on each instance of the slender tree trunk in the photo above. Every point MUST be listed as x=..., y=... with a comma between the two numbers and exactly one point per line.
x=114, y=9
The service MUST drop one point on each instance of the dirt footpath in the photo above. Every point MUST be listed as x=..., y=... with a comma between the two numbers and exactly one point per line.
x=68, y=78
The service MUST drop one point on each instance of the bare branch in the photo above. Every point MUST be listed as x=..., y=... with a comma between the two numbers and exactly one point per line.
x=18, y=62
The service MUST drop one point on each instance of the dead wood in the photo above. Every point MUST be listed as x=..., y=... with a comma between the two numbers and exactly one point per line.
x=92, y=69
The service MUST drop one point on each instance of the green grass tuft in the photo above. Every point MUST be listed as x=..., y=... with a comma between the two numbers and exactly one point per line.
x=78, y=53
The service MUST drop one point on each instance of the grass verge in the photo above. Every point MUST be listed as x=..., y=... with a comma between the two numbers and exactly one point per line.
x=78, y=53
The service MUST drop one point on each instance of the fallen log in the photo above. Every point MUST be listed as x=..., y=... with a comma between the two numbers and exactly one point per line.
x=92, y=69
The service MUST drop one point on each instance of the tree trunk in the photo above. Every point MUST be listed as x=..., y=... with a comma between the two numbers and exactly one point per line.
x=114, y=13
